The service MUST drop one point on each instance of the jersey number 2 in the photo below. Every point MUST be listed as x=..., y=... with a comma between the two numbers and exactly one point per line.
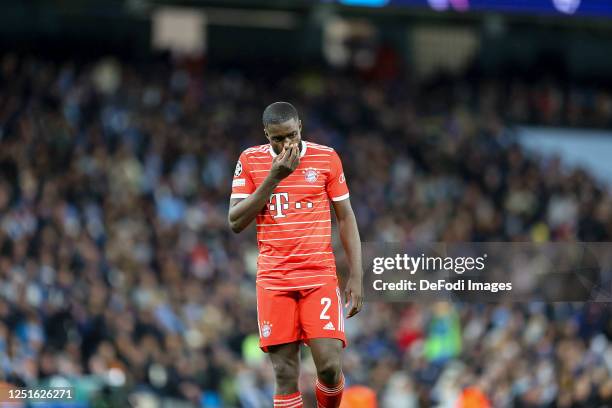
x=327, y=303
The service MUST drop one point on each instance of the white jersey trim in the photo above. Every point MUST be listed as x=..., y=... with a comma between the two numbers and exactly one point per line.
x=261, y=171
x=317, y=243
x=297, y=229
x=288, y=403
x=321, y=147
x=284, y=239
x=239, y=195
x=296, y=222
x=327, y=210
x=286, y=256
x=264, y=274
x=296, y=277
x=340, y=198
x=299, y=186
x=293, y=287
x=271, y=266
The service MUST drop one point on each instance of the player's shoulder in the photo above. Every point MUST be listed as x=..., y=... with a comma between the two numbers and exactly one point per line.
x=319, y=148
x=256, y=150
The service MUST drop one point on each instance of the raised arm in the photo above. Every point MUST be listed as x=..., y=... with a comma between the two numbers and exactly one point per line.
x=244, y=210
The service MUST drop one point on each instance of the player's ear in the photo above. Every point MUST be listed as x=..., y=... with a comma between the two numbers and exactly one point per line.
x=300, y=124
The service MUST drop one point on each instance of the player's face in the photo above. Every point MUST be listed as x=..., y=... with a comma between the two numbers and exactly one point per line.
x=284, y=134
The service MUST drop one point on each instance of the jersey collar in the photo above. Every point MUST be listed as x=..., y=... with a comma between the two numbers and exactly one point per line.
x=302, y=150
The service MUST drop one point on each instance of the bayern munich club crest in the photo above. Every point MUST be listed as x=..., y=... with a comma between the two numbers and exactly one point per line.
x=266, y=329
x=311, y=175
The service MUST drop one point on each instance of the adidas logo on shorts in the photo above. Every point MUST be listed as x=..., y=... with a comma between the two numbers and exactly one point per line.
x=329, y=326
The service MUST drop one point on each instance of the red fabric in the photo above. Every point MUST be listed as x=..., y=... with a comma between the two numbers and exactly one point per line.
x=294, y=228
x=285, y=316
x=288, y=401
x=329, y=396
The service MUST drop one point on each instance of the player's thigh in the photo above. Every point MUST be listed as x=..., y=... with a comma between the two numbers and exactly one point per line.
x=277, y=317
x=326, y=352
x=285, y=358
x=321, y=314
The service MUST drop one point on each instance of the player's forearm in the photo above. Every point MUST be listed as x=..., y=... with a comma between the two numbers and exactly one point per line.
x=349, y=235
x=243, y=213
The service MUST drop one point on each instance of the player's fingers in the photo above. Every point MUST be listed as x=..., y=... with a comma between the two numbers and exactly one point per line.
x=357, y=305
x=353, y=312
x=281, y=155
x=296, y=159
x=289, y=155
x=347, y=297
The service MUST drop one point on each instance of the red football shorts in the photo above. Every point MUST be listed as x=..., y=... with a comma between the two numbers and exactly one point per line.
x=285, y=316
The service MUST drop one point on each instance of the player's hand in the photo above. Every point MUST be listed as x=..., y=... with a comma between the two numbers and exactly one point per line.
x=353, y=295
x=285, y=162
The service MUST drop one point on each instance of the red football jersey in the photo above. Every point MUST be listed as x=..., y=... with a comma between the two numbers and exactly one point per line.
x=294, y=228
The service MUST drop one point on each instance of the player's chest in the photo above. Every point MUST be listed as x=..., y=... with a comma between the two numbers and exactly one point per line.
x=301, y=193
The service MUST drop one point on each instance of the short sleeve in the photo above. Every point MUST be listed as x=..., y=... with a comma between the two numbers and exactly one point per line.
x=242, y=184
x=336, y=187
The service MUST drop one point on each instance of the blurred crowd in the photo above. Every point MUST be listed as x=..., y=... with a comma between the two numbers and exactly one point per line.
x=120, y=277
x=546, y=101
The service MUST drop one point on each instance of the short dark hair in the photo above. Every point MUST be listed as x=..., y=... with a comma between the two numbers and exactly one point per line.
x=279, y=112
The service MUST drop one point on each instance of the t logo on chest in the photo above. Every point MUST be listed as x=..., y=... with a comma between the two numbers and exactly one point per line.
x=279, y=202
